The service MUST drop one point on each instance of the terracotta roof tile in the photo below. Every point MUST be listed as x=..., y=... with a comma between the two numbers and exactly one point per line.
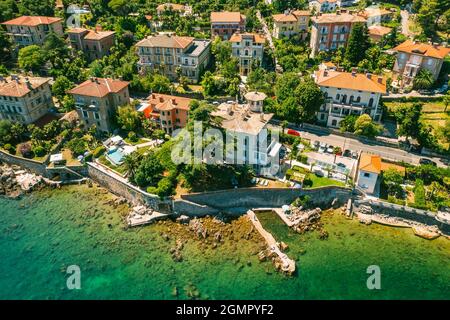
x=13, y=88
x=370, y=163
x=32, y=21
x=347, y=80
x=237, y=37
x=164, y=102
x=226, y=16
x=379, y=30
x=424, y=49
x=166, y=41
x=337, y=18
x=99, y=87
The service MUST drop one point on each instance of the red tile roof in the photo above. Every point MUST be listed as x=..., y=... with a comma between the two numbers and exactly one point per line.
x=32, y=21
x=227, y=16
x=370, y=163
x=166, y=102
x=352, y=81
x=99, y=87
x=19, y=88
x=166, y=41
x=424, y=49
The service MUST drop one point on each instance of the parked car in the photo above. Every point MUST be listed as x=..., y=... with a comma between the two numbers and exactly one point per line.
x=330, y=149
x=427, y=161
x=322, y=149
x=354, y=155
x=347, y=153
x=293, y=132
x=316, y=144
x=341, y=165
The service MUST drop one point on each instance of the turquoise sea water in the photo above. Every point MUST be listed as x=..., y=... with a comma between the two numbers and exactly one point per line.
x=43, y=233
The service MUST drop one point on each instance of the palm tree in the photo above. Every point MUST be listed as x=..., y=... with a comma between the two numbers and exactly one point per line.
x=423, y=80
x=131, y=163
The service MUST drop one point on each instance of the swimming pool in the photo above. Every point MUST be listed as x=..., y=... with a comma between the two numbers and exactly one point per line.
x=115, y=156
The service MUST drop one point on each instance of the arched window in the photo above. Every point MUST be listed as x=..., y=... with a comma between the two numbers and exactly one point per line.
x=246, y=52
x=344, y=98
x=338, y=96
x=371, y=102
x=351, y=99
x=358, y=99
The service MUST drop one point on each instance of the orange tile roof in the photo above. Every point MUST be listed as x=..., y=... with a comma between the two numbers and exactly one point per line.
x=347, y=80
x=338, y=18
x=237, y=37
x=99, y=87
x=424, y=49
x=166, y=102
x=370, y=163
x=282, y=17
x=13, y=88
x=375, y=12
x=379, y=30
x=166, y=41
x=227, y=16
x=98, y=35
x=32, y=21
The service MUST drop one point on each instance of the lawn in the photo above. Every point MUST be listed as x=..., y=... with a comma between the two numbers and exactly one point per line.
x=323, y=181
x=432, y=114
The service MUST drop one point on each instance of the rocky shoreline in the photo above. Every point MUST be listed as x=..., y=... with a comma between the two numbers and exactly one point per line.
x=14, y=181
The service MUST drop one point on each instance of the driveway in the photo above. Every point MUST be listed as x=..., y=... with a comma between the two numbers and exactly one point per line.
x=405, y=23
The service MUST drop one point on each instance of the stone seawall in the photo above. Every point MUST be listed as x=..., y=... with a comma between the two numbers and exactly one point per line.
x=189, y=208
x=29, y=164
x=248, y=198
x=121, y=188
x=394, y=210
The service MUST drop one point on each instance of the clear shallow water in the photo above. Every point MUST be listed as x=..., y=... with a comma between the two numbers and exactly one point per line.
x=43, y=233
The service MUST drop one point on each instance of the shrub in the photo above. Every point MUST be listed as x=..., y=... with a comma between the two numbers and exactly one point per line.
x=39, y=151
x=395, y=200
x=8, y=147
x=132, y=136
x=77, y=146
x=302, y=201
x=419, y=195
x=99, y=151
x=25, y=149
x=303, y=158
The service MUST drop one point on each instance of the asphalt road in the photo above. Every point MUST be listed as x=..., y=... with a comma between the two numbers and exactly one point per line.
x=388, y=153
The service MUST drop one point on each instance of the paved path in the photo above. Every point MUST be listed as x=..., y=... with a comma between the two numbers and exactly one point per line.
x=405, y=23
x=268, y=35
x=386, y=152
x=288, y=264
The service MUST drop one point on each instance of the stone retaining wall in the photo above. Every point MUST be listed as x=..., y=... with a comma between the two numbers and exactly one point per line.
x=123, y=189
x=29, y=164
x=267, y=197
x=189, y=208
x=394, y=210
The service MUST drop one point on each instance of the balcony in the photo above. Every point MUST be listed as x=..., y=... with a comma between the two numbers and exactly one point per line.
x=343, y=110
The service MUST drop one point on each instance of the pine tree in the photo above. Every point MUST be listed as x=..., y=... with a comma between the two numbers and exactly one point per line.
x=358, y=43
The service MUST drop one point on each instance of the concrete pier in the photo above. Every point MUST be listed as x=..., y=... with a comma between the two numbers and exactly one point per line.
x=288, y=265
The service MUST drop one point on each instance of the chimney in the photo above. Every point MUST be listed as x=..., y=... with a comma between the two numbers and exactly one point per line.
x=161, y=99
x=369, y=75
x=338, y=12
x=98, y=28
x=380, y=79
x=229, y=109
x=174, y=102
x=28, y=83
x=353, y=71
x=92, y=79
x=325, y=73
x=261, y=116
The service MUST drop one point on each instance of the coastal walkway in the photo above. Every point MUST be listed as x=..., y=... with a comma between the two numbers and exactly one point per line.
x=140, y=220
x=288, y=265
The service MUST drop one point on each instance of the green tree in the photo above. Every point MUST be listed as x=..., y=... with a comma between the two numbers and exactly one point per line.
x=423, y=80
x=348, y=123
x=408, y=120
x=358, y=43
x=285, y=85
x=149, y=171
x=61, y=86
x=128, y=118
x=392, y=180
x=364, y=126
x=309, y=98
x=31, y=58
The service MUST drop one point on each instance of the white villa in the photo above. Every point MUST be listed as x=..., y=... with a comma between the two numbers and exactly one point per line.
x=349, y=93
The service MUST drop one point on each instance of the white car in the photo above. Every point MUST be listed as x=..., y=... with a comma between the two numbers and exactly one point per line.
x=322, y=149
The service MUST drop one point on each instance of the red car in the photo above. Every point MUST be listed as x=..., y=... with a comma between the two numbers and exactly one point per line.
x=293, y=133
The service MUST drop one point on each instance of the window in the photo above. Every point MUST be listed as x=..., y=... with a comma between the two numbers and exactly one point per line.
x=366, y=175
x=371, y=102
x=85, y=114
x=96, y=116
x=334, y=122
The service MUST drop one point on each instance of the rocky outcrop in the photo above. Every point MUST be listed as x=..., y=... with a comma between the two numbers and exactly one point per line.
x=14, y=181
